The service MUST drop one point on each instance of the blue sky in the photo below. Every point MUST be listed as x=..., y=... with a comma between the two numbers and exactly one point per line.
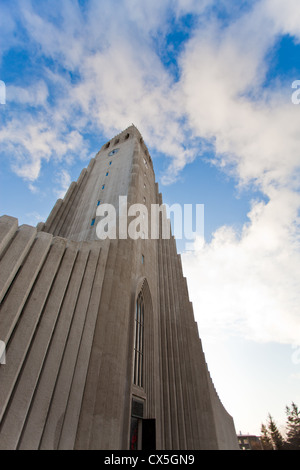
x=209, y=85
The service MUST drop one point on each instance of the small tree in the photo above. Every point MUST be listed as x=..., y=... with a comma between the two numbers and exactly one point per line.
x=265, y=438
x=293, y=427
x=275, y=435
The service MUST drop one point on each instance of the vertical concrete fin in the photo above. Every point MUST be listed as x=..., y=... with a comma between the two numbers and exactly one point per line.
x=72, y=413
x=61, y=214
x=52, y=216
x=52, y=431
x=8, y=227
x=175, y=392
x=184, y=410
x=90, y=165
x=70, y=205
x=165, y=350
x=85, y=423
x=21, y=340
x=37, y=415
x=14, y=256
x=60, y=211
x=22, y=396
x=71, y=208
x=108, y=405
x=40, y=227
x=13, y=303
x=192, y=437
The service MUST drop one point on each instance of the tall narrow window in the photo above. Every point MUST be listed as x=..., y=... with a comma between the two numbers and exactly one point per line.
x=139, y=342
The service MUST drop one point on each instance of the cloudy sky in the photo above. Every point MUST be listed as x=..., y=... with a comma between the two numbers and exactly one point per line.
x=209, y=85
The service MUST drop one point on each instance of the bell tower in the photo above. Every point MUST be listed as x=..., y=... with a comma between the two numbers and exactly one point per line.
x=102, y=348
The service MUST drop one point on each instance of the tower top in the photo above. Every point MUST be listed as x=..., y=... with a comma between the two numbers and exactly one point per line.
x=128, y=131
x=126, y=134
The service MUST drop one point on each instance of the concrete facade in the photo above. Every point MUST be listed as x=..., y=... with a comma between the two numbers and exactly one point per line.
x=102, y=349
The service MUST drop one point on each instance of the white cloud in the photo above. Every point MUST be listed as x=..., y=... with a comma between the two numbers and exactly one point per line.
x=31, y=142
x=247, y=282
x=33, y=218
x=121, y=78
x=35, y=95
x=33, y=188
x=286, y=15
x=258, y=136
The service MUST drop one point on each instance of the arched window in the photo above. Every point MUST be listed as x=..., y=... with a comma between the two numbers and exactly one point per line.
x=139, y=341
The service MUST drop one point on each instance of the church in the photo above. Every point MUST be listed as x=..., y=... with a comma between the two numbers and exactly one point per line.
x=102, y=348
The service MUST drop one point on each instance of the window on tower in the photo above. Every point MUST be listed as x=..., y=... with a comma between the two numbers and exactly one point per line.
x=113, y=152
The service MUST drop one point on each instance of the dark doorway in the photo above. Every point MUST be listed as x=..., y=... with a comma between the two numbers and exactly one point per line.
x=148, y=434
x=142, y=431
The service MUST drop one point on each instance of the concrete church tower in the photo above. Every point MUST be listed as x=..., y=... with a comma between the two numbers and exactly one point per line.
x=102, y=349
